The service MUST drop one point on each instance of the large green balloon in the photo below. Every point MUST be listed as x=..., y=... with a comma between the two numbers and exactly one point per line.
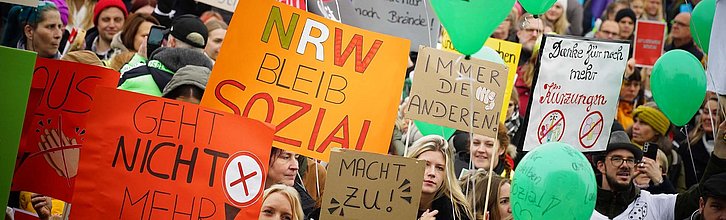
x=701, y=23
x=428, y=129
x=537, y=7
x=471, y=22
x=554, y=181
x=678, y=83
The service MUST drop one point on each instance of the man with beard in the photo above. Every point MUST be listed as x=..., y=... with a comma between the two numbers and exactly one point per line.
x=618, y=198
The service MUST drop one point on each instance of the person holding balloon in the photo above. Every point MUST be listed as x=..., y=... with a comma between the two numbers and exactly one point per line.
x=441, y=196
x=618, y=198
x=488, y=153
x=695, y=151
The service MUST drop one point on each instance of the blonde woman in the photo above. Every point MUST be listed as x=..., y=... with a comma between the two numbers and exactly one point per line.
x=281, y=202
x=475, y=184
x=441, y=196
x=557, y=15
x=653, y=10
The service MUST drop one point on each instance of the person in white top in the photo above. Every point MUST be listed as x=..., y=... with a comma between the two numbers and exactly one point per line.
x=617, y=198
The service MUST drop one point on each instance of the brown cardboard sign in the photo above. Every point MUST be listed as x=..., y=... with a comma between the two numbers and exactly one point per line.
x=371, y=186
x=455, y=92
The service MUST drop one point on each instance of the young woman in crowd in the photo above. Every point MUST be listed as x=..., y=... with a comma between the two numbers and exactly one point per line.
x=638, y=6
x=37, y=29
x=652, y=126
x=133, y=33
x=475, y=184
x=626, y=19
x=701, y=141
x=441, y=196
x=281, y=202
x=557, y=15
x=653, y=10
x=486, y=151
x=216, y=29
x=283, y=169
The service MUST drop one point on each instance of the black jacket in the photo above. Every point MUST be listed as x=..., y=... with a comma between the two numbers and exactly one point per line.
x=446, y=211
x=91, y=36
x=700, y=159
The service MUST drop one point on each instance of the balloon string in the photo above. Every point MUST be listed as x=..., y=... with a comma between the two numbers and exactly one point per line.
x=408, y=137
x=428, y=25
x=317, y=180
x=713, y=125
x=690, y=152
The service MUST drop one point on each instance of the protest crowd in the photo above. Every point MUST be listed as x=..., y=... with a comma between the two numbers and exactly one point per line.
x=510, y=109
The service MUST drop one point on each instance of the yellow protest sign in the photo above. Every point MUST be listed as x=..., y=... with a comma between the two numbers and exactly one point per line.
x=322, y=83
x=509, y=51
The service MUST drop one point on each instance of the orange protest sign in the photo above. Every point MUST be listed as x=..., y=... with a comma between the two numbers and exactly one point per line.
x=55, y=125
x=323, y=84
x=152, y=158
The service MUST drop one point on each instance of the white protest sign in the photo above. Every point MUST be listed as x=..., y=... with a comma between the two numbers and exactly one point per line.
x=576, y=92
x=413, y=19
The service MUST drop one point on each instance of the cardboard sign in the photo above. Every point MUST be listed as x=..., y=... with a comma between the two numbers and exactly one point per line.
x=31, y=3
x=414, y=20
x=324, y=84
x=451, y=91
x=15, y=86
x=231, y=5
x=649, y=41
x=153, y=158
x=371, y=186
x=55, y=127
x=575, y=92
x=509, y=51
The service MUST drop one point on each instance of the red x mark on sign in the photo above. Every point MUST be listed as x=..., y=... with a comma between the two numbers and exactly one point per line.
x=243, y=178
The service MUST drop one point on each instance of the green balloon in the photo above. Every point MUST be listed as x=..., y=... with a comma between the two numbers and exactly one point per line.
x=537, y=7
x=428, y=129
x=678, y=83
x=701, y=23
x=554, y=181
x=471, y=22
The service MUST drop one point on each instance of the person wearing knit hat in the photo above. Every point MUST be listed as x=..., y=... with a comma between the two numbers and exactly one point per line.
x=626, y=20
x=62, y=9
x=108, y=17
x=187, y=84
x=650, y=124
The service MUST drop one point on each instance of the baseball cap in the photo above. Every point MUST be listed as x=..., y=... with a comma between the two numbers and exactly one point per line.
x=189, y=29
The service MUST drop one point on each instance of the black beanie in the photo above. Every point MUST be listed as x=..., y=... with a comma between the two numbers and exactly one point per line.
x=626, y=12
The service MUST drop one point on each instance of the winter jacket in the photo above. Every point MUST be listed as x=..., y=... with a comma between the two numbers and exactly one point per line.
x=446, y=211
x=91, y=36
x=150, y=77
x=700, y=159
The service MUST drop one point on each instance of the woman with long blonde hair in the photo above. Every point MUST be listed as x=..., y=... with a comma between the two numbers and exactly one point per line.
x=557, y=15
x=441, y=196
x=281, y=202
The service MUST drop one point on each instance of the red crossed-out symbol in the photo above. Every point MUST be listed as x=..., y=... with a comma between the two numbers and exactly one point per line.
x=243, y=178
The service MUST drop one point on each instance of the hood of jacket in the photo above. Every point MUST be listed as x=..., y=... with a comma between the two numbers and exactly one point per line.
x=117, y=45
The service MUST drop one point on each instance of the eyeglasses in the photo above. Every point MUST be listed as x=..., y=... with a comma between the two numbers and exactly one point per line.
x=618, y=161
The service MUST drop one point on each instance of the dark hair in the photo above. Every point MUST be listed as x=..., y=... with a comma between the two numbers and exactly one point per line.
x=138, y=4
x=187, y=91
x=19, y=16
x=131, y=27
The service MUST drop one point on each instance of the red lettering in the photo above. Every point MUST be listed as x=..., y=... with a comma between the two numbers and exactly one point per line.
x=363, y=135
x=225, y=101
x=356, y=43
x=270, y=105
x=316, y=129
x=332, y=138
x=304, y=108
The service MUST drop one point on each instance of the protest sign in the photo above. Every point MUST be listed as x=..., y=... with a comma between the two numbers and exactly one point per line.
x=324, y=84
x=31, y=3
x=54, y=127
x=15, y=87
x=414, y=20
x=575, y=92
x=509, y=51
x=371, y=186
x=649, y=41
x=717, y=52
x=231, y=5
x=454, y=92
x=175, y=159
